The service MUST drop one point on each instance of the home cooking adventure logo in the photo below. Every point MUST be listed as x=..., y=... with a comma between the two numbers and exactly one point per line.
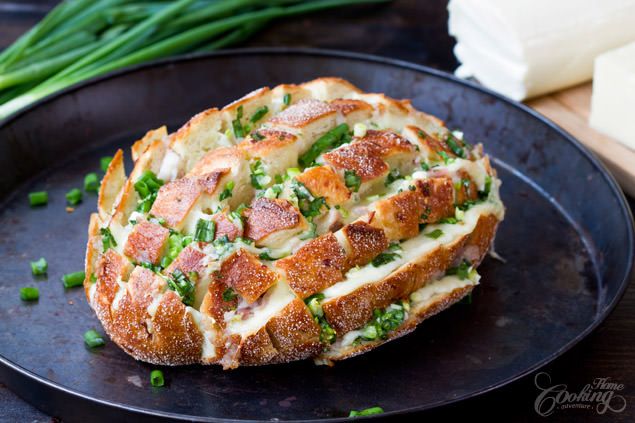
x=602, y=394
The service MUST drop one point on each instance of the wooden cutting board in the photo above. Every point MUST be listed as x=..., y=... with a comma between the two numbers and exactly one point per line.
x=570, y=109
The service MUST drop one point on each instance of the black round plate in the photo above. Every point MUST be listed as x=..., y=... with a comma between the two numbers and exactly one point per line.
x=567, y=240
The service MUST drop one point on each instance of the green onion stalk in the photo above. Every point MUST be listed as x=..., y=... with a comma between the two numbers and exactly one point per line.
x=80, y=39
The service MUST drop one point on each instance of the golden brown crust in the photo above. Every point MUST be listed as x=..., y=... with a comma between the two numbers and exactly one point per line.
x=365, y=243
x=303, y=113
x=271, y=141
x=314, y=266
x=361, y=158
x=267, y=216
x=146, y=242
x=398, y=215
x=387, y=143
x=174, y=201
x=113, y=182
x=151, y=136
x=221, y=159
x=349, y=105
x=322, y=181
x=436, y=199
x=294, y=333
x=247, y=275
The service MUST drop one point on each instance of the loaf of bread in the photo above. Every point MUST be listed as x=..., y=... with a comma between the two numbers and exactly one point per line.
x=304, y=221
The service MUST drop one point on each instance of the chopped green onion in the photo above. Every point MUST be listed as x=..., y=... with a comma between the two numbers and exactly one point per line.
x=259, y=179
x=425, y=166
x=367, y=412
x=393, y=176
x=28, y=293
x=313, y=302
x=450, y=140
x=39, y=267
x=342, y=211
x=93, y=339
x=258, y=114
x=91, y=182
x=384, y=321
x=322, y=144
x=359, y=130
x=352, y=180
x=266, y=255
x=74, y=279
x=74, y=196
x=462, y=271
x=467, y=299
x=257, y=136
x=205, y=230
x=156, y=378
x=179, y=283
x=292, y=172
x=38, y=198
x=445, y=157
x=105, y=162
x=147, y=186
x=229, y=294
x=92, y=278
x=384, y=258
x=227, y=192
x=239, y=130
x=450, y=220
x=286, y=99
x=486, y=189
x=435, y=234
x=107, y=240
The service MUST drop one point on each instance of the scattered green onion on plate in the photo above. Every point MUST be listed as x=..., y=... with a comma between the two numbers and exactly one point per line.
x=74, y=279
x=38, y=198
x=93, y=339
x=28, y=293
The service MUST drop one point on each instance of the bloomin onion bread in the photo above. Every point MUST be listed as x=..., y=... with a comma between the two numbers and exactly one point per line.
x=304, y=221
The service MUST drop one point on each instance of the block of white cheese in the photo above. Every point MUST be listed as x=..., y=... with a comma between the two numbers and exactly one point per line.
x=524, y=48
x=613, y=99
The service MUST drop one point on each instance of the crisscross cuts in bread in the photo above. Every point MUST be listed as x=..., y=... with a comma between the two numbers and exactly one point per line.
x=303, y=221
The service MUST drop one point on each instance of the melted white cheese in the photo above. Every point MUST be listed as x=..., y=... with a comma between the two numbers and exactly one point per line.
x=413, y=249
x=276, y=298
x=170, y=166
x=420, y=300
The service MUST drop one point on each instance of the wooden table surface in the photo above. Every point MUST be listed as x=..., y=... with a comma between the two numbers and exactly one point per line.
x=416, y=31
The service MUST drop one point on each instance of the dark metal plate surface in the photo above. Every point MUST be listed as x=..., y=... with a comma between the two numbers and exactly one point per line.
x=567, y=239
